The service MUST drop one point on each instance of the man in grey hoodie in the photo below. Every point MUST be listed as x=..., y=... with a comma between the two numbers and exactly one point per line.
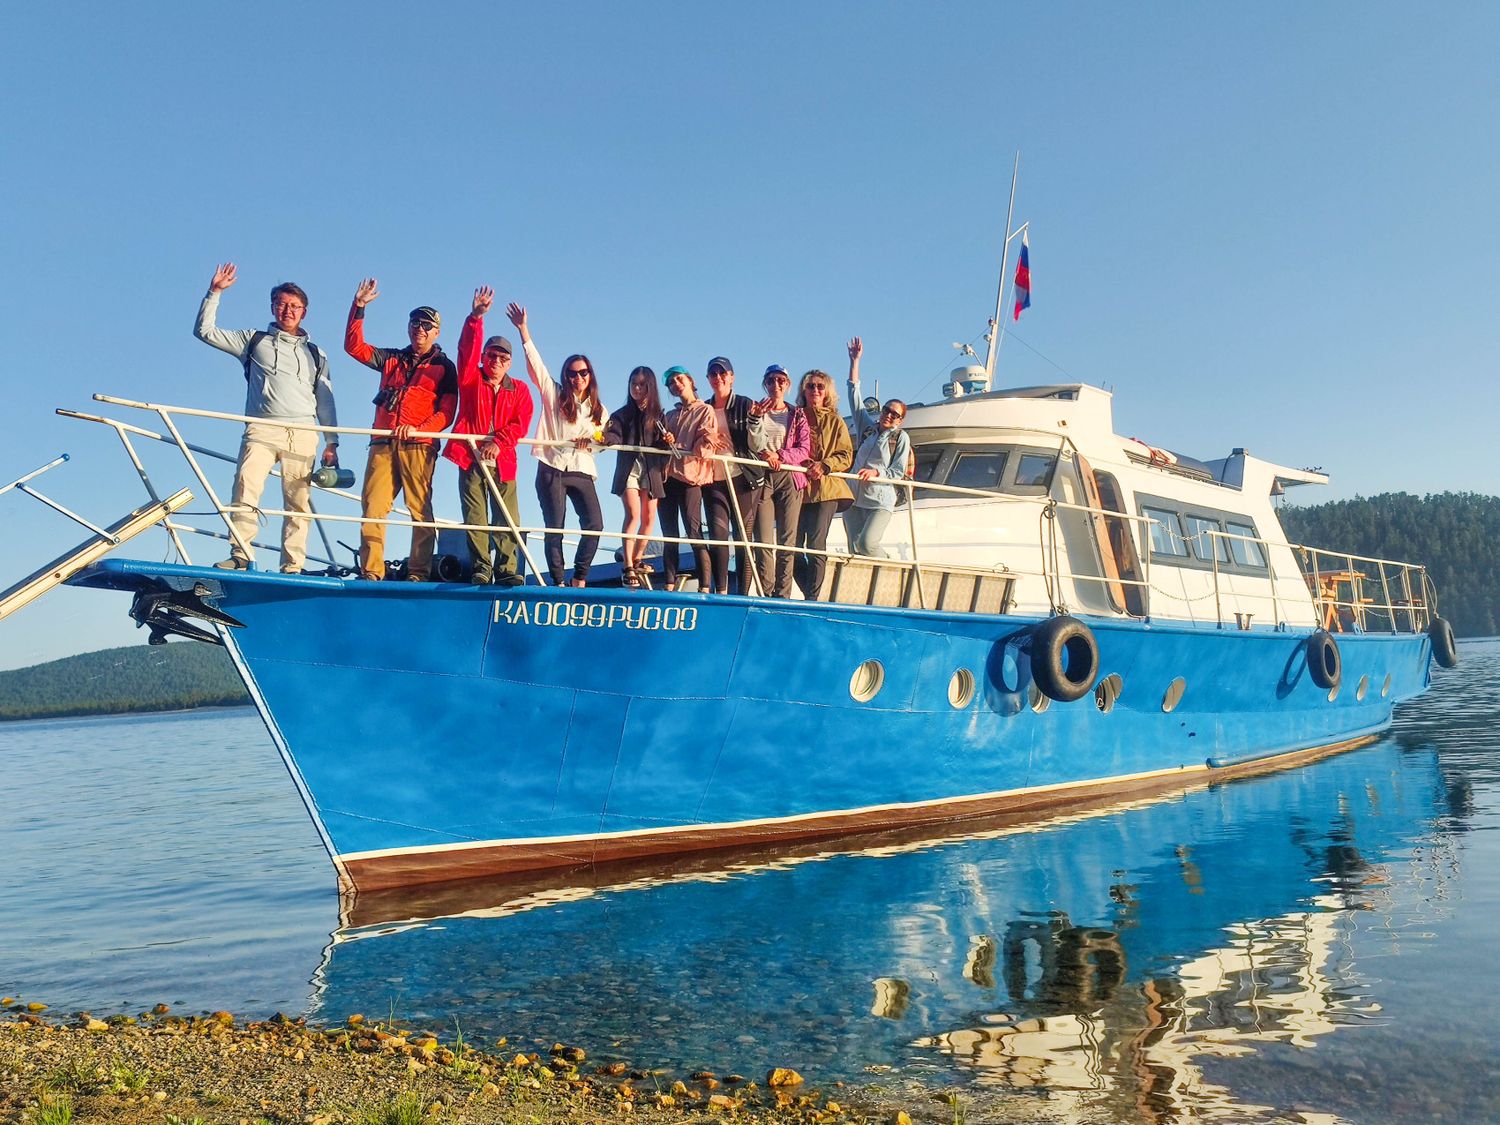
x=286, y=378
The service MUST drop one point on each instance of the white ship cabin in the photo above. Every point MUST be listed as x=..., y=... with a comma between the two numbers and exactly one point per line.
x=1034, y=482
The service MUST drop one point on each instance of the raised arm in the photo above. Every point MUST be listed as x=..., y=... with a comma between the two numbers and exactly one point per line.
x=354, y=331
x=856, y=400
x=535, y=368
x=206, y=329
x=471, y=341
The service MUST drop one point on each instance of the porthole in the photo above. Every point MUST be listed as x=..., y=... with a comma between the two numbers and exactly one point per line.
x=1385, y=688
x=1173, y=696
x=1363, y=689
x=1333, y=692
x=1040, y=700
x=867, y=681
x=1107, y=693
x=961, y=689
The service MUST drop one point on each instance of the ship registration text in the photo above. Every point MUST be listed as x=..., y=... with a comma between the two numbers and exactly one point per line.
x=592, y=615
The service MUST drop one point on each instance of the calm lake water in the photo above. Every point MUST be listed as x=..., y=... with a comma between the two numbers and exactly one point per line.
x=1315, y=945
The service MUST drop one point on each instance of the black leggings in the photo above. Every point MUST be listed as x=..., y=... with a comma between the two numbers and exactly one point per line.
x=723, y=525
x=554, y=489
x=683, y=502
x=812, y=531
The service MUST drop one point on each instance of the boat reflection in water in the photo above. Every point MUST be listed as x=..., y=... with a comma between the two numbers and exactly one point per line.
x=1098, y=957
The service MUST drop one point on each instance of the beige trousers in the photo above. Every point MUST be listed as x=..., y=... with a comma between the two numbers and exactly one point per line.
x=266, y=444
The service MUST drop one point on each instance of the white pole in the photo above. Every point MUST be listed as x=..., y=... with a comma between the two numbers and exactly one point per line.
x=996, y=324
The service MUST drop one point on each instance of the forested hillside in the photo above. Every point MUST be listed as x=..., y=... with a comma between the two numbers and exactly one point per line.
x=1456, y=534
x=137, y=678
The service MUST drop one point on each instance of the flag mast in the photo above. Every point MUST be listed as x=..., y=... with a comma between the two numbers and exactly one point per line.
x=997, y=325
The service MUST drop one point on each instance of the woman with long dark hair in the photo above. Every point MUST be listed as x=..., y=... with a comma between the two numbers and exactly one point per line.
x=571, y=416
x=638, y=478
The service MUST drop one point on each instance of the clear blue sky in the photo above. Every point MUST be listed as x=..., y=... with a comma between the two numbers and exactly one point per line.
x=1261, y=225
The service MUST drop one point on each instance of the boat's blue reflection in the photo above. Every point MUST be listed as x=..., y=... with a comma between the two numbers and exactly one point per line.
x=1104, y=948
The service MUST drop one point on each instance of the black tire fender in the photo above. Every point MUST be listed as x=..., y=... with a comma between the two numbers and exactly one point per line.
x=1444, y=646
x=1064, y=658
x=1325, y=664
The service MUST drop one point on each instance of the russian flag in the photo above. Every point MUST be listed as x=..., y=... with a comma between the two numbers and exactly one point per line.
x=1023, y=277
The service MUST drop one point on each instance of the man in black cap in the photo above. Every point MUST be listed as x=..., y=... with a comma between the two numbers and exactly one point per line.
x=418, y=395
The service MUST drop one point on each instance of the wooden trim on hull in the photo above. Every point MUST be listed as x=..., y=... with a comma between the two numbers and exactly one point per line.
x=363, y=872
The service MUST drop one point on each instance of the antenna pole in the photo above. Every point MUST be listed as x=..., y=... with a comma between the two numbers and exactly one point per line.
x=996, y=325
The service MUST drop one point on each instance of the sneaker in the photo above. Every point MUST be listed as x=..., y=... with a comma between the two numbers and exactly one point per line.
x=291, y=570
x=480, y=578
x=510, y=580
x=416, y=578
x=232, y=564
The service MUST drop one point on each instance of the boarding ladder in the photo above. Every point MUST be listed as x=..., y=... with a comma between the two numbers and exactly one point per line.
x=103, y=540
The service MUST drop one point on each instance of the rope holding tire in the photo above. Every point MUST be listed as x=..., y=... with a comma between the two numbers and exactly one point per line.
x=1444, y=645
x=1064, y=658
x=1324, y=663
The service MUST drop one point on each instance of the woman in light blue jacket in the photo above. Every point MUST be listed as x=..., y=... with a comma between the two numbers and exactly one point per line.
x=881, y=457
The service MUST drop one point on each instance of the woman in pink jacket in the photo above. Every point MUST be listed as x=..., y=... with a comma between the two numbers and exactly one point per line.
x=693, y=434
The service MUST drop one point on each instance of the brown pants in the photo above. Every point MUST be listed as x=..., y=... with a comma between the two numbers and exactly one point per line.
x=394, y=467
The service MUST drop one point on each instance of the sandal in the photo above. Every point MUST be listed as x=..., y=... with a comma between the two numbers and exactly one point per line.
x=631, y=578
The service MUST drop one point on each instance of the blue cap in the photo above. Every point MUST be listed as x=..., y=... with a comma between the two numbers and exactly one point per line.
x=666, y=376
x=776, y=369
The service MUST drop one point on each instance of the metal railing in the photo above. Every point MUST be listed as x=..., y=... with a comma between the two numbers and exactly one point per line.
x=1413, y=607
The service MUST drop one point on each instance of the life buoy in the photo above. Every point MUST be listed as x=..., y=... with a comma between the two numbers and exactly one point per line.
x=1444, y=647
x=1064, y=658
x=1324, y=664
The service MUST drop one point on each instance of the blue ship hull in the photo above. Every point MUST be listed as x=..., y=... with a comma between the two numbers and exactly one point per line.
x=442, y=731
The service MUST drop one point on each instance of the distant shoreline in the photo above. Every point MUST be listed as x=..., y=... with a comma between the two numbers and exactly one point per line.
x=128, y=712
x=134, y=680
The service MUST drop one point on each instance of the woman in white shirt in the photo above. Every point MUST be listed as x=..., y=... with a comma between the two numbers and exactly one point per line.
x=571, y=416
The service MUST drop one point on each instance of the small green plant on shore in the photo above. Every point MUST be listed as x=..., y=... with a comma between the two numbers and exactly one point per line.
x=54, y=1109
x=406, y=1109
x=174, y=1119
x=125, y=1078
x=77, y=1076
x=960, y=1117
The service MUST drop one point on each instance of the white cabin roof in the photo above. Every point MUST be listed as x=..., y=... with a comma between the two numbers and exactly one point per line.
x=1085, y=414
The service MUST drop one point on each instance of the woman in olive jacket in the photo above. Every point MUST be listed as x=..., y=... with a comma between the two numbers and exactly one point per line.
x=825, y=496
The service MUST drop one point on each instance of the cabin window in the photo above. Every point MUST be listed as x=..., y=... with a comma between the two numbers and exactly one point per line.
x=1034, y=470
x=928, y=460
x=1243, y=551
x=1166, y=533
x=978, y=470
x=1206, y=545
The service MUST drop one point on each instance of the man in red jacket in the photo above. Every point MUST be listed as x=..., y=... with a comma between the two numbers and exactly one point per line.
x=493, y=404
x=418, y=395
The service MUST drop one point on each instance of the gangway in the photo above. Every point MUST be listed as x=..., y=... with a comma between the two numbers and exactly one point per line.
x=103, y=541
